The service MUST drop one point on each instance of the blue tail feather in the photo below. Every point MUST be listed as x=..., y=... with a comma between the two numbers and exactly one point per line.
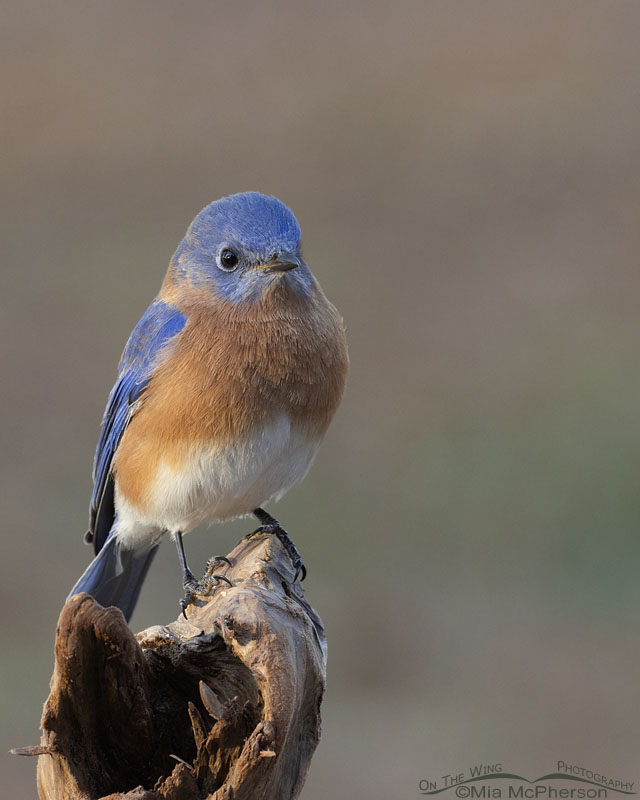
x=116, y=574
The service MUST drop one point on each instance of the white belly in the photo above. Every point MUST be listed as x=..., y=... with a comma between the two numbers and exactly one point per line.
x=218, y=483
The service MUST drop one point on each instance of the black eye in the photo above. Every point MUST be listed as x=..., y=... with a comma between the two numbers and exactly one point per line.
x=228, y=259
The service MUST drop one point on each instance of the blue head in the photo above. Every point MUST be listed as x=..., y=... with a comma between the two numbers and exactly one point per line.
x=242, y=244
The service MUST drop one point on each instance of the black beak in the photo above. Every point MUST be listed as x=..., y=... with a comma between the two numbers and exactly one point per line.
x=283, y=263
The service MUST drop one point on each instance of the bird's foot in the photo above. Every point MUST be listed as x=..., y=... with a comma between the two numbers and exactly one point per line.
x=189, y=584
x=194, y=588
x=210, y=578
x=270, y=524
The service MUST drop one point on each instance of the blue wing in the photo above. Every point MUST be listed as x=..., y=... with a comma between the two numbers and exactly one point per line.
x=157, y=327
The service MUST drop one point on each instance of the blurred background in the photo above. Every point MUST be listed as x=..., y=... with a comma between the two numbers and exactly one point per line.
x=467, y=178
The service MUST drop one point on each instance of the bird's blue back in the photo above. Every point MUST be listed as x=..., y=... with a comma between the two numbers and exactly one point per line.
x=145, y=349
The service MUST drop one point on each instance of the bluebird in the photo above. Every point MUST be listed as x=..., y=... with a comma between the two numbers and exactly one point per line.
x=224, y=391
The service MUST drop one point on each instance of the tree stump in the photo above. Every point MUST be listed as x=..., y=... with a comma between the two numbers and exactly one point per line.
x=225, y=704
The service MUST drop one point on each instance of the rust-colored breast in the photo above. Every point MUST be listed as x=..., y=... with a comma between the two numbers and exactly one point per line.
x=233, y=367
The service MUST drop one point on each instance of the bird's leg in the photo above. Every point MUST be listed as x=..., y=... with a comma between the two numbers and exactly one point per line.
x=189, y=582
x=188, y=578
x=269, y=524
x=193, y=588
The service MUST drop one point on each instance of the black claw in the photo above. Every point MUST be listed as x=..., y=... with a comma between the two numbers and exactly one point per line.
x=218, y=560
x=184, y=604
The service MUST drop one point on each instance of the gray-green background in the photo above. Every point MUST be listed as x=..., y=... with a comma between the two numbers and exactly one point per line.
x=467, y=177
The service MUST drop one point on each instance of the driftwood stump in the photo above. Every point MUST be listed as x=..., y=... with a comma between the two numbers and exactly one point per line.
x=225, y=704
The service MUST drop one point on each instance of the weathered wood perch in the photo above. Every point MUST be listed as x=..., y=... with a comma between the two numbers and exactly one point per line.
x=224, y=705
